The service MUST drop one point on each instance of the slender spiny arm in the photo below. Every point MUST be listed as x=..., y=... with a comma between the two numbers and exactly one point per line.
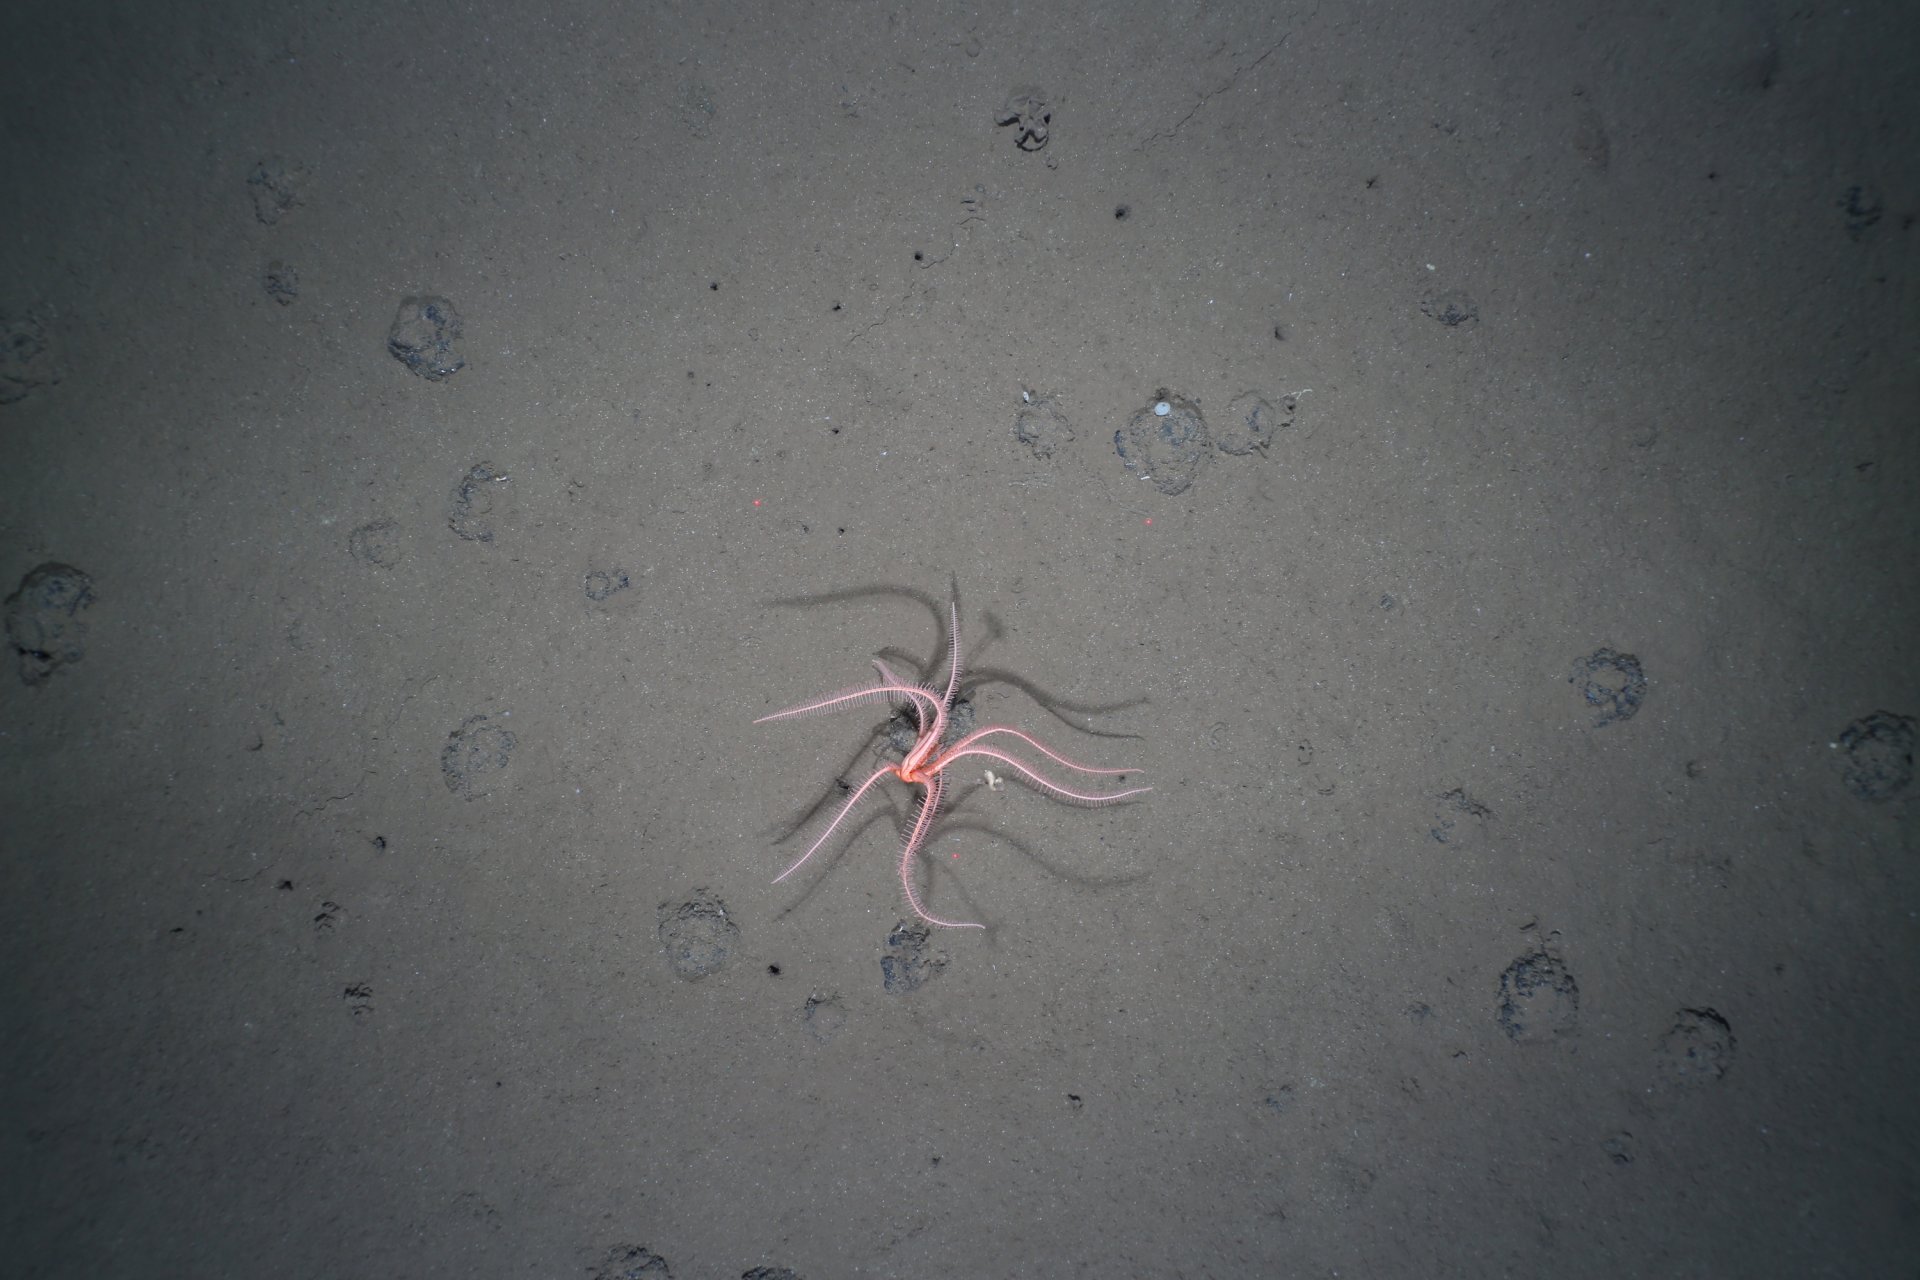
x=853, y=697
x=1031, y=741
x=1044, y=784
x=922, y=824
x=845, y=809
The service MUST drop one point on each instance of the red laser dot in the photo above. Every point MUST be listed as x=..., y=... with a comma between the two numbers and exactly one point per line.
x=756, y=502
x=1149, y=520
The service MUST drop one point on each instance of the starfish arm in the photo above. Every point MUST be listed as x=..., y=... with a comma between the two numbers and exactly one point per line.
x=916, y=837
x=936, y=722
x=887, y=676
x=1033, y=742
x=953, y=650
x=854, y=697
x=1046, y=785
x=845, y=809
